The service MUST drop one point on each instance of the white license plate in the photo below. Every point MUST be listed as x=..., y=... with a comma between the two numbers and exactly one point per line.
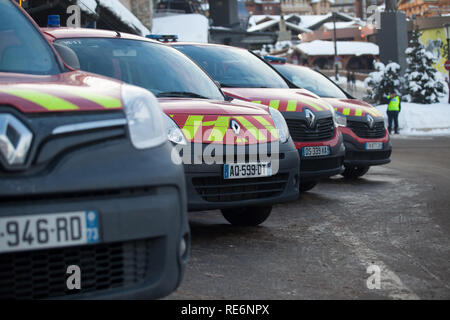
x=246, y=170
x=18, y=233
x=315, y=151
x=374, y=145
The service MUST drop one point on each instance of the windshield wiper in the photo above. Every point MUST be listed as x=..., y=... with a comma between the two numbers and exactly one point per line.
x=226, y=85
x=180, y=94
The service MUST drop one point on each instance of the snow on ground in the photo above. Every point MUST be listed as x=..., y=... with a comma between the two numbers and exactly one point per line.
x=188, y=27
x=326, y=48
x=124, y=14
x=423, y=119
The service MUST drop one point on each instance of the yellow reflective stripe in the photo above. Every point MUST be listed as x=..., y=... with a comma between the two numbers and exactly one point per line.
x=267, y=125
x=191, y=126
x=105, y=101
x=220, y=128
x=274, y=104
x=217, y=134
x=292, y=105
x=45, y=100
x=346, y=111
x=241, y=140
x=373, y=112
x=252, y=129
x=358, y=112
x=376, y=112
x=321, y=105
x=256, y=101
x=310, y=104
x=315, y=106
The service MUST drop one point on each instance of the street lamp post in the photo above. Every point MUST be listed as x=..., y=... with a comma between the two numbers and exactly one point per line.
x=335, y=47
x=447, y=33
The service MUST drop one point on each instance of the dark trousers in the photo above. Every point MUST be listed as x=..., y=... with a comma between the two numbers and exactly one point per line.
x=393, y=117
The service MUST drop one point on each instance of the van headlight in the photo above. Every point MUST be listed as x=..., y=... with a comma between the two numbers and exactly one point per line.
x=174, y=133
x=145, y=117
x=280, y=125
x=339, y=119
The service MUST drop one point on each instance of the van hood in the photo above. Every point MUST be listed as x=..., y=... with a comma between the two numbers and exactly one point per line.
x=353, y=107
x=221, y=122
x=71, y=91
x=211, y=107
x=284, y=100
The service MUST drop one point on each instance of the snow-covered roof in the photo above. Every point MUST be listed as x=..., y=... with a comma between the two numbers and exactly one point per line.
x=121, y=12
x=305, y=24
x=262, y=26
x=296, y=27
x=266, y=2
x=275, y=20
x=326, y=48
x=188, y=27
x=255, y=19
x=342, y=25
x=322, y=18
x=315, y=1
x=309, y=20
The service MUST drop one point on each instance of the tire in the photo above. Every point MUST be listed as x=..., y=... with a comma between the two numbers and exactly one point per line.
x=353, y=172
x=247, y=216
x=307, y=185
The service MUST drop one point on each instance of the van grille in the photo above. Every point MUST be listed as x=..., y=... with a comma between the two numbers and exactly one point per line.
x=217, y=189
x=42, y=273
x=362, y=130
x=299, y=130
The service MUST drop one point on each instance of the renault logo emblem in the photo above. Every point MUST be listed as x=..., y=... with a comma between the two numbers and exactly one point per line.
x=15, y=139
x=370, y=121
x=235, y=126
x=310, y=118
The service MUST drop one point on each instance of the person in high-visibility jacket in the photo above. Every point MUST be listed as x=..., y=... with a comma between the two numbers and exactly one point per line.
x=393, y=109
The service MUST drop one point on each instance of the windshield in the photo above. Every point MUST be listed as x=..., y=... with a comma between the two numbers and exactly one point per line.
x=158, y=68
x=233, y=67
x=22, y=48
x=310, y=80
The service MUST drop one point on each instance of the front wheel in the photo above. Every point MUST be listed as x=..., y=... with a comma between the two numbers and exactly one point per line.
x=247, y=216
x=353, y=172
x=307, y=185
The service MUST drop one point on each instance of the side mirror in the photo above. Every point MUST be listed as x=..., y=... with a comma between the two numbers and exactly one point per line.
x=68, y=55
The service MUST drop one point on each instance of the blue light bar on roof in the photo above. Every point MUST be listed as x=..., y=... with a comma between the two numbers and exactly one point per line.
x=275, y=59
x=53, y=20
x=163, y=37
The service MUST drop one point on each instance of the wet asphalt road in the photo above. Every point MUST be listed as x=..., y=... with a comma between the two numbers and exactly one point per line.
x=319, y=247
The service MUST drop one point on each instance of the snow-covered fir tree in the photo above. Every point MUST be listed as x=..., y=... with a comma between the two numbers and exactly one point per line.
x=422, y=84
x=384, y=80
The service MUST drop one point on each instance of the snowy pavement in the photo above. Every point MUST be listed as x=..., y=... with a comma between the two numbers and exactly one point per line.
x=423, y=119
x=415, y=120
